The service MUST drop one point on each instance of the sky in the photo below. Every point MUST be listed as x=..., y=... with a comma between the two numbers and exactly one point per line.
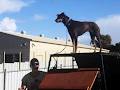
x=37, y=17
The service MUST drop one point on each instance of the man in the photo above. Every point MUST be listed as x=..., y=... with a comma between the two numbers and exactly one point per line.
x=32, y=80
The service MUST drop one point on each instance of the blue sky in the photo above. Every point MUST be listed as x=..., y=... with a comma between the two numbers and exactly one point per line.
x=37, y=17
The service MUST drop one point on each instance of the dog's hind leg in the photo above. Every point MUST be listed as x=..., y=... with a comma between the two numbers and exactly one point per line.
x=99, y=40
x=93, y=40
x=92, y=43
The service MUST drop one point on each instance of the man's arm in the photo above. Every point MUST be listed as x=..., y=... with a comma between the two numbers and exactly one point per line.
x=23, y=87
x=23, y=84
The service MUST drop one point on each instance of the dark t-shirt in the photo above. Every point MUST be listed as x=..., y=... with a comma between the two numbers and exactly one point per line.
x=32, y=83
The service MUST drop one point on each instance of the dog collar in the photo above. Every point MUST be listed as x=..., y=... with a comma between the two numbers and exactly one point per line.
x=68, y=22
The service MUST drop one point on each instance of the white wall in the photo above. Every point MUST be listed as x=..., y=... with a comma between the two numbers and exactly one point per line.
x=42, y=50
x=13, y=79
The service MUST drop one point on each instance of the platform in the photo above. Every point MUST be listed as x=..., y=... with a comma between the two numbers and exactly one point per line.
x=111, y=66
x=82, y=79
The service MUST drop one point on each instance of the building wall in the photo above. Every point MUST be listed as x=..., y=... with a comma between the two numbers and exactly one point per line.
x=11, y=44
x=35, y=47
x=42, y=50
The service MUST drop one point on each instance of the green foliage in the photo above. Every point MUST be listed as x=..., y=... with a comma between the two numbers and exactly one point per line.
x=115, y=48
x=106, y=39
x=106, y=43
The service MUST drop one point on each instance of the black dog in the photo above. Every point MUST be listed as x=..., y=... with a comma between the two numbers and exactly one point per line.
x=77, y=28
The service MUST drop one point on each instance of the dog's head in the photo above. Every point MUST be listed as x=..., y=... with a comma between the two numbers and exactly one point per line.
x=60, y=17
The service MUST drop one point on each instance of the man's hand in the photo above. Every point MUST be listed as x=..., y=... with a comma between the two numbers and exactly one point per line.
x=23, y=88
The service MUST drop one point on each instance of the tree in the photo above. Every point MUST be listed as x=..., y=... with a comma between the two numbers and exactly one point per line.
x=106, y=40
x=114, y=48
x=106, y=43
x=117, y=47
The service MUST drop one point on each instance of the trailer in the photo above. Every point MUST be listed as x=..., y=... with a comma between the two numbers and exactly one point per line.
x=92, y=71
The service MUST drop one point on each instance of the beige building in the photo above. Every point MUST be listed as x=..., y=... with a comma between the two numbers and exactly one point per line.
x=15, y=47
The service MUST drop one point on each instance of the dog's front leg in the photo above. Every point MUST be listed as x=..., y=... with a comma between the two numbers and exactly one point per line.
x=74, y=45
x=73, y=42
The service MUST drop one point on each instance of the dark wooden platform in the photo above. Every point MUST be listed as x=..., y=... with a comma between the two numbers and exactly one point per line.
x=82, y=79
x=111, y=67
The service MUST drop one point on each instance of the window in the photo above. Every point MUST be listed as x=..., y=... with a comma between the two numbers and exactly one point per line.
x=11, y=58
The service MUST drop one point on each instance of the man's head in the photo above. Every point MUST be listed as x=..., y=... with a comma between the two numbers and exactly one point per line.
x=34, y=63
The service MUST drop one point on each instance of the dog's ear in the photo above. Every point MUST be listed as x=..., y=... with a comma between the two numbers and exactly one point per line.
x=63, y=13
x=57, y=15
